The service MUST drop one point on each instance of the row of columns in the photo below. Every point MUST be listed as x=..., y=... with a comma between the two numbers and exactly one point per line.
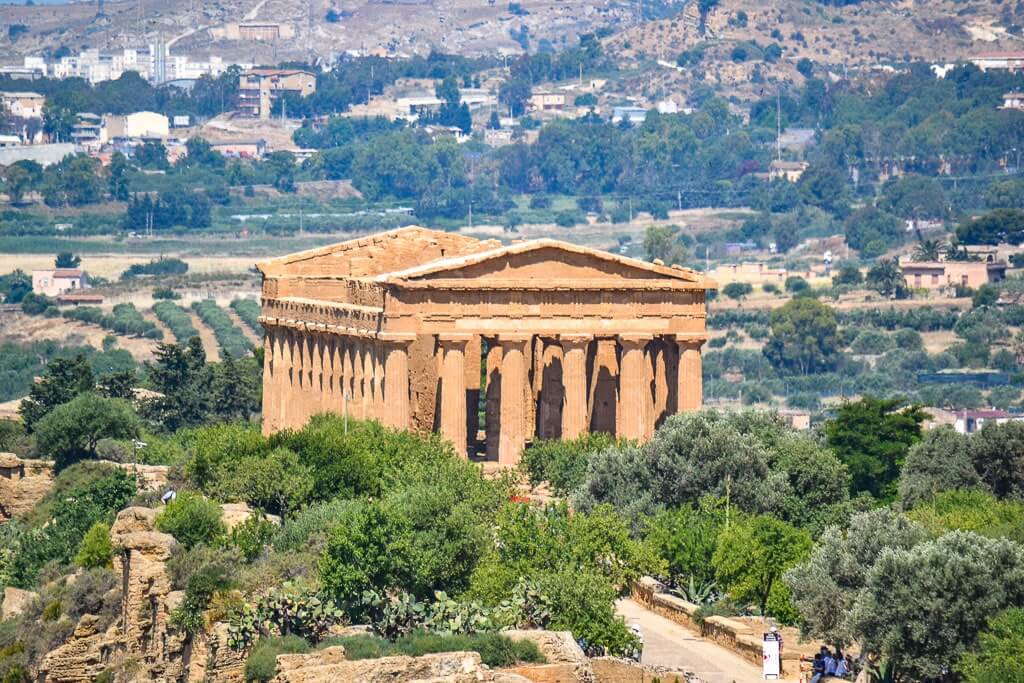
x=309, y=371
x=368, y=377
x=634, y=409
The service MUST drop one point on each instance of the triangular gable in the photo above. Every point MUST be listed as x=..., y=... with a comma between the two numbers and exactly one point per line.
x=370, y=256
x=547, y=261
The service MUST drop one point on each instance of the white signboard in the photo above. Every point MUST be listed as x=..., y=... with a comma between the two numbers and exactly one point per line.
x=771, y=653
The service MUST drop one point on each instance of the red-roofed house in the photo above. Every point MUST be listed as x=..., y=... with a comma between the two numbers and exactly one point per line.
x=1007, y=61
x=970, y=421
x=58, y=281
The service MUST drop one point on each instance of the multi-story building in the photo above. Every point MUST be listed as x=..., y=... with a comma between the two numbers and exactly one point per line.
x=258, y=88
x=23, y=105
x=141, y=124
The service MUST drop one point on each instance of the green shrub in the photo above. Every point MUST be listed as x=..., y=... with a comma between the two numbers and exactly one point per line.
x=71, y=431
x=249, y=311
x=94, y=591
x=96, y=549
x=192, y=519
x=311, y=526
x=52, y=611
x=175, y=317
x=251, y=536
x=201, y=587
x=165, y=293
x=261, y=665
x=231, y=340
x=495, y=649
x=563, y=463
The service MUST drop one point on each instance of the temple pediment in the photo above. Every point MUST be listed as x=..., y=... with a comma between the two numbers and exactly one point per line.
x=547, y=263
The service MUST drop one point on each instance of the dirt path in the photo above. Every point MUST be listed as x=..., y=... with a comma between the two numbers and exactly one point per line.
x=168, y=335
x=206, y=336
x=240, y=324
x=670, y=645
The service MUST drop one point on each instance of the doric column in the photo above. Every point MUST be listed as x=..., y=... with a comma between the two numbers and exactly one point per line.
x=379, y=406
x=690, y=382
x=271, y=380
x=316, y=395
x=453, y=389
x=397, y=411
x=286, y=401
x=367, y=397
x=631, y=410
x=513, y=398
x=574, y=384
x=357, y=378
x=347, y=375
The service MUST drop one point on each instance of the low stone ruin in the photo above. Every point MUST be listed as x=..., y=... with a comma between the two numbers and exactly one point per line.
x=24, y=481
x=329, y=665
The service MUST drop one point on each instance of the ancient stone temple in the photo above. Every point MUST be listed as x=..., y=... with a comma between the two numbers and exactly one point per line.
x=489, y=345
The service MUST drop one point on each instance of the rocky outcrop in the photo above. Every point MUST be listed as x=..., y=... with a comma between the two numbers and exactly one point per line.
x=329, y=665
x=234, y=514
x=83, y=657
x=15, y=602
x=210, y=658
x=565, y=660
x=23, y=483
x=142, y=554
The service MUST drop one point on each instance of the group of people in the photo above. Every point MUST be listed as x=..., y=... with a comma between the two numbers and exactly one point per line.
x=826, y=663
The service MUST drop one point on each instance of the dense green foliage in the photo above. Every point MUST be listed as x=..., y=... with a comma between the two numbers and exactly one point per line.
x=71, y=431
x=231, y=340
x=175, y=317
x=998, y=655
x=124, y=319
x=872, y=436
x=563, y=464
x=249, y=311
x=83, y=495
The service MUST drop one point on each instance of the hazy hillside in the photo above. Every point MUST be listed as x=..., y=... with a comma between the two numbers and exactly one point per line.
x=860, y=34
x=403, y=26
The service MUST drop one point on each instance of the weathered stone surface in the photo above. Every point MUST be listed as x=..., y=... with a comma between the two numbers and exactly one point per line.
x=615, y=670
x=329, y=665
x=23, y=482
x=391, y=327
x=15, y=602
x=82, y=658
x=501, y=676
x=565, y=660
x=209, y=658
x=145, y=612
x=236, y=513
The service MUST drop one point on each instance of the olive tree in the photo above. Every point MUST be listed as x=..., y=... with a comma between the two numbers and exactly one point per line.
x=827, y=586
x=923, y=607
x=940, y=462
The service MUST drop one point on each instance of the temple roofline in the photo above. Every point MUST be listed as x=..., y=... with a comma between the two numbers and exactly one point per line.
x=687, y=275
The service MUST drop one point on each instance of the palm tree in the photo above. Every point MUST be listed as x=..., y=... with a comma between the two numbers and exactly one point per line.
x=928, y=250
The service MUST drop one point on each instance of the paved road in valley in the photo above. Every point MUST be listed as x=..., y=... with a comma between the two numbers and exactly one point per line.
x=668, y=644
